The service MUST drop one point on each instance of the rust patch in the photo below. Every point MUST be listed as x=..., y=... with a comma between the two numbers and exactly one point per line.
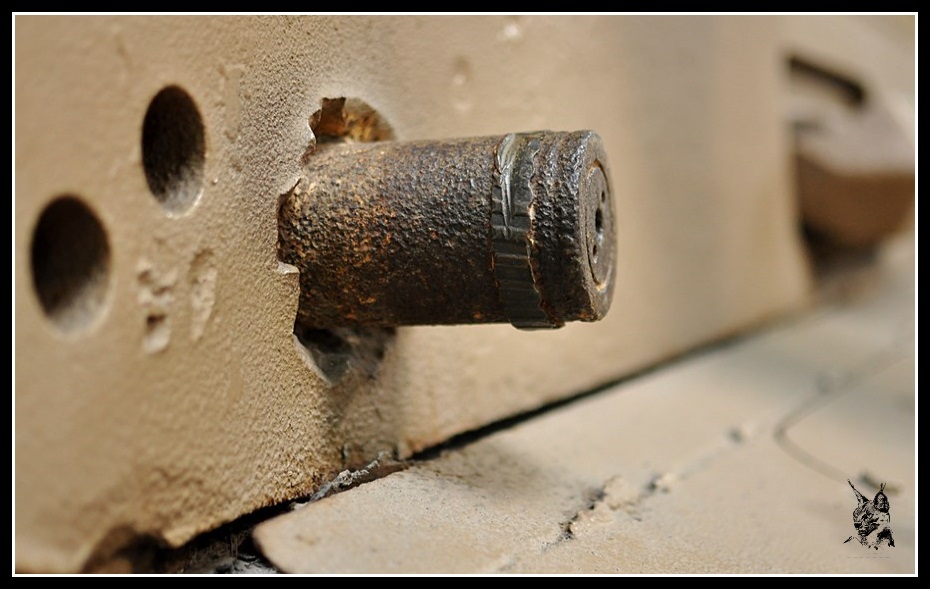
x=348, y=120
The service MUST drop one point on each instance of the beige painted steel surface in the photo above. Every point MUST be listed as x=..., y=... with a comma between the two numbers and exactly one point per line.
x=731, y=461
x=170, y=396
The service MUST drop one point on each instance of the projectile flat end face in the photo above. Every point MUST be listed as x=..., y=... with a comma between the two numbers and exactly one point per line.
x=598, y=225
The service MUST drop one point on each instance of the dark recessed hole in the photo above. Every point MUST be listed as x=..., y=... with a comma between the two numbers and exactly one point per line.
x=173, y=148
x=336, y=352
x=329, y=351
x=598, y=228
x=70, y=263
x=325, y=340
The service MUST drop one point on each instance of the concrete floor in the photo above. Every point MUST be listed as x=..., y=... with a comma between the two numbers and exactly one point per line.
x=731, y=460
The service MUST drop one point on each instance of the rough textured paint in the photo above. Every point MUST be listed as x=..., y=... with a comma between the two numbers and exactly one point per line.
x=116, y=446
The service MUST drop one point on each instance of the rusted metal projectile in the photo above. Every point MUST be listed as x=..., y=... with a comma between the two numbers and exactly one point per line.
x=516, y=228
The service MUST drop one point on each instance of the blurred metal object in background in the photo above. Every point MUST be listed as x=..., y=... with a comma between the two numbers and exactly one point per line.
x=855, y=161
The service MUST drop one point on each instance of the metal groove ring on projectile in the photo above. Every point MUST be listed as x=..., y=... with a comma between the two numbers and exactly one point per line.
x=511, y=226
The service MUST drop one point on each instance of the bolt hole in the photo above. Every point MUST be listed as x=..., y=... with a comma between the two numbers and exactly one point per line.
x=173, y=149
x=70, y=259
